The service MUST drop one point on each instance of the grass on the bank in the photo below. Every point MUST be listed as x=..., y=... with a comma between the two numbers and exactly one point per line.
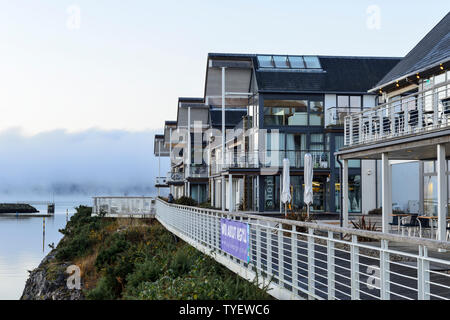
x=139, y=259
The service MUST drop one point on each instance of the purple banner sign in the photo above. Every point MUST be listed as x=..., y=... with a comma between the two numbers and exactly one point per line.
x=235, y=238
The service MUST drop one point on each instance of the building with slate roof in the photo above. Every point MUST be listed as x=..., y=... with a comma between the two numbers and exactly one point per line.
x=276, y=107
x=411, y=122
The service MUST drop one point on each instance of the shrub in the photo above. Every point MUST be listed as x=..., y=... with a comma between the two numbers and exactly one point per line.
x=102, y=291
x=186, y=201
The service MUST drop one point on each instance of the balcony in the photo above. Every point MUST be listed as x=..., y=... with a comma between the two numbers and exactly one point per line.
x=335, y=116
x=161, y=182
x=198, y=171
x=412, y=115
x=175, y=177
x=320, y=159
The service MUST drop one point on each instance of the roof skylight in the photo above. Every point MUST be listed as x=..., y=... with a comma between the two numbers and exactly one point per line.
x=288, y=62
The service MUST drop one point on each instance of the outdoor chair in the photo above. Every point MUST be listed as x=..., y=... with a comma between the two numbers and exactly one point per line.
x=424, y=224
x=394, y=223
x=412, y=225
x=413, y=118
x=386, y=125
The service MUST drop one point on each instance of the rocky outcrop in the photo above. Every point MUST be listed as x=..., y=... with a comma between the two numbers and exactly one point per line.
x=49, y=282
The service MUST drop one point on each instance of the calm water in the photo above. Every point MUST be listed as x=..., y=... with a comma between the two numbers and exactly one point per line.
x=23, y=244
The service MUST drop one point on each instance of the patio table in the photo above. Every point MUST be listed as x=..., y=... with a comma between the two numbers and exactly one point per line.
x=400, y=215
x=432, y=220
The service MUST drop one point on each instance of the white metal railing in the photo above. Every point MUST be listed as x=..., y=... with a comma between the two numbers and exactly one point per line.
x=123, y=206
x=160, y=180
x=301, y=260
x=414, y=114
x=274, y=158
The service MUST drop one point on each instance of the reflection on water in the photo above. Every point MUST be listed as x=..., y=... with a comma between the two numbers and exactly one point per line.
x=24, y=242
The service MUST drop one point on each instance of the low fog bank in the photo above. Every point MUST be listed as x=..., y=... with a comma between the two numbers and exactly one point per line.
x=83, y=164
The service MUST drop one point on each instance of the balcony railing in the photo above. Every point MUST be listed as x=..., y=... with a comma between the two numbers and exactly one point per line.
x=335, y=116
x=124, y=206
x=414, y=114
x=301, y=260
x=161, y=181
x=196, y=171
x=321, y=159
x=175, y=176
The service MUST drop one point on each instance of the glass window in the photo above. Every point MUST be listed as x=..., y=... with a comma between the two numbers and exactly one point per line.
x=430, y=195
x=265, y=61
x=354, y=193
x=316, y=119
x=428, y=166
x=312, y=62
x=439, y=78
x=343, y=102
x=297, y=62
x=280, y=61
x=286, y=112
x=316, y=106
x=355, y=102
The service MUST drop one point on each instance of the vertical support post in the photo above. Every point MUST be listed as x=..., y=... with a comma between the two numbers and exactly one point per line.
x=269, y=250
x=280, y=256
x=188, y=173
x=294, y=259
x=423, y=274
x=386, y=192
x=330, y=266
x=442, y=192
x=370, y=127
x=344, y=185
x=223, y=117
x=360, y=133
x=311, y=277
x=351, y=130
x=159, y=164
x=258, y=246
x=223, y=192
x=384, y=271
x=212, y=191
x=230, y=193
x=420, y=102
x=354, y=268
x=170, y=148
x=421, y=188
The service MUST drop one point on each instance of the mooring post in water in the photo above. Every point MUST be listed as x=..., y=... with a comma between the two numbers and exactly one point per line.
x=67, y=215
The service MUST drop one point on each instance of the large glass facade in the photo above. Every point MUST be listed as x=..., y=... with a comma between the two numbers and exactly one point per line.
x=293, y=112
x=430, y=188
x=271, y=193
x=354, y=193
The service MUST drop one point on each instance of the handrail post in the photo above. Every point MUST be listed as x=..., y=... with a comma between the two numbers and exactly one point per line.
x=311, y=280
x=269, y=251
x=384, y=271
x=423, y=274
x=280, y=255
x=330, y=265
x=354, y=268
x=294, y=258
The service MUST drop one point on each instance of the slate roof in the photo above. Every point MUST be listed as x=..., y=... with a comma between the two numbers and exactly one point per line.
x=433, y=49
x=338, y=75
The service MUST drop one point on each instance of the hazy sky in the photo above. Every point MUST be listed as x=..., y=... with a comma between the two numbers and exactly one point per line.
x=123, y=64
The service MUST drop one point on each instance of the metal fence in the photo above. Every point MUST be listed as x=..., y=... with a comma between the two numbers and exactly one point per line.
x=124, y=206
x=417, y=113
x=299, y=260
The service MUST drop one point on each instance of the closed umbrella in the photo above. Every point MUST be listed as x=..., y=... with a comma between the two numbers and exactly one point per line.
x=286, y=193
x=308, y=176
